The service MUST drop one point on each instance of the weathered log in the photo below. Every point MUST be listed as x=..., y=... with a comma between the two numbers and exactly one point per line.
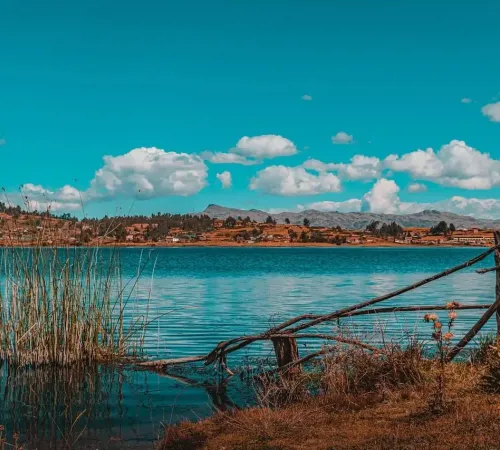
x=493, y=309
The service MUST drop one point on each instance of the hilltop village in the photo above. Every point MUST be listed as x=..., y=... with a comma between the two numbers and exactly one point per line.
x=18, y=228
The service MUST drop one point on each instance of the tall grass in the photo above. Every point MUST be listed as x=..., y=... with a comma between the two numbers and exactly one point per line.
x=60, y=306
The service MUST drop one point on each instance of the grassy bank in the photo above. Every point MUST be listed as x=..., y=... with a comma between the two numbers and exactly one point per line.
x=363, y=401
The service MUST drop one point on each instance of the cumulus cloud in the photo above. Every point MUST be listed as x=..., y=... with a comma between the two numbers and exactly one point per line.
x=492, y=111
x=227, y=158
x=282, y=180
x=342, y=138
x=36, y=197
x=252, y=150
x=264, y=147
x=382, y=198
x=142, y=173
x=225, y=179
x=148, y=173
x=351, y=205
x=360, y=167
x=417, y=187
x=466, y=100
x=307, y=98
x=455, y=164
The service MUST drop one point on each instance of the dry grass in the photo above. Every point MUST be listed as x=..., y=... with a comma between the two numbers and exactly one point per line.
x=365, y=402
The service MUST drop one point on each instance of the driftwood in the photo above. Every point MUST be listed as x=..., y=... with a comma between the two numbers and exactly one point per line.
x=284, y=335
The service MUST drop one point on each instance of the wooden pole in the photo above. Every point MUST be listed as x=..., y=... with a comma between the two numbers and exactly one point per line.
x=286, y=350
x=493, y=309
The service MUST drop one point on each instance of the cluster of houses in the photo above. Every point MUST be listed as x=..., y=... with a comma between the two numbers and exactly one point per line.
x=241, y=232
x=462, y=236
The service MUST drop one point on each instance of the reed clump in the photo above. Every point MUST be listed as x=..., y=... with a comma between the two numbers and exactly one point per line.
x=61, y=306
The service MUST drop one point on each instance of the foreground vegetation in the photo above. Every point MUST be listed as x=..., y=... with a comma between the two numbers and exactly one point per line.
x=358, y=400
x=62, y=306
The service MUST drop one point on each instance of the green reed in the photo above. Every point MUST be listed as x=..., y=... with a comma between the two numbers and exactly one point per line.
x=60, y=306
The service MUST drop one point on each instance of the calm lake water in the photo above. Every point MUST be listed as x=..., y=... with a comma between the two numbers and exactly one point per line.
x=213, y=294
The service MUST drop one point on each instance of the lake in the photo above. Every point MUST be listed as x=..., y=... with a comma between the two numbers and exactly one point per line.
x=212, y=294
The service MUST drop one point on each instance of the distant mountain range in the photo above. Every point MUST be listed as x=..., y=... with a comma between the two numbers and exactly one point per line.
x=354, y=220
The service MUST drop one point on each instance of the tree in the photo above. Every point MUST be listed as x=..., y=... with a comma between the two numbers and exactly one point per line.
x=120, y=233
x=316, y=236
x=440, y=228
x=287, y=221
x=452, y=228
x=372, y=227
x=307, y=223
x=293, y=235
x=304, y=237
x=270, y=220
x=230, y=222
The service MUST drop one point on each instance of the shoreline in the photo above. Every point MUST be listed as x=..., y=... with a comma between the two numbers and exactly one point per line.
x=240, y=245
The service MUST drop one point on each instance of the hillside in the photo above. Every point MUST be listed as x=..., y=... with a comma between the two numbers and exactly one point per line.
x=354, y=220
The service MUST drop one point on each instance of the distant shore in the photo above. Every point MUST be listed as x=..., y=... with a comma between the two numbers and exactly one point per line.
x=280, y=245
x=224, y=244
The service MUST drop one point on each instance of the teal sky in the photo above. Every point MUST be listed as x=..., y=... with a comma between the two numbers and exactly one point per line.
x=84, y=80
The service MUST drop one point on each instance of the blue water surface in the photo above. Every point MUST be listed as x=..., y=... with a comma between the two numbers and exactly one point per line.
x=212, y=294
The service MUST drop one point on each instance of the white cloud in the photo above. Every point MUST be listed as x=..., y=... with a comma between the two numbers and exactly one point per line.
x=141, y=173
x=455, y=164
x=492, y=111
x=227, y=158
x=307, y=98
x=466, y=100
x=225, y=179
x=264, y=147
x=382, y=198
x=417, y=187
x=360, y=168
x=483, y=208
x=282, y=180
x=36, y=197
x=352, y=205
x=342, y=138
x=148, y=173
x=2, y=142
x=252, y=150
